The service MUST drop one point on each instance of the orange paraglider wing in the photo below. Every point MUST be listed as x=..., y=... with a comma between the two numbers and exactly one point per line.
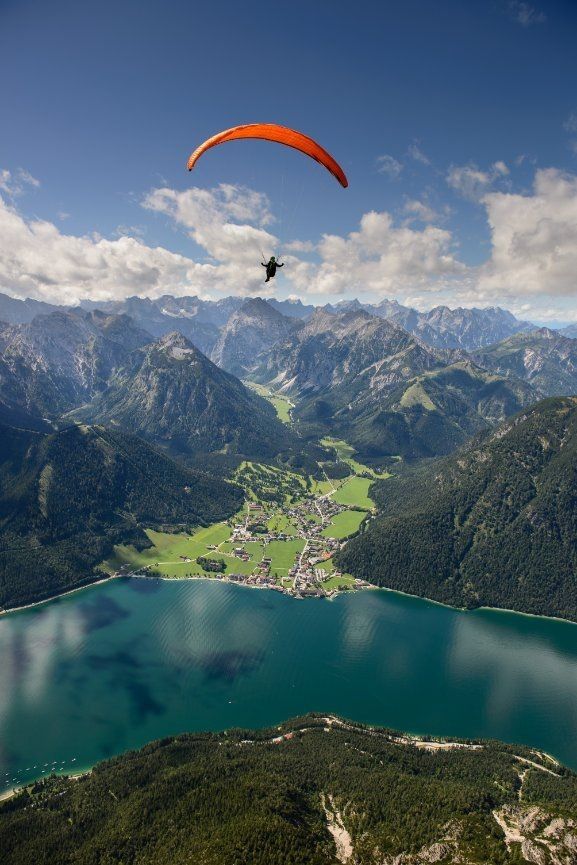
x=280, y=134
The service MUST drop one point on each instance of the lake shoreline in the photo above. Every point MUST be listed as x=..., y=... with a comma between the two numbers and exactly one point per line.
x=334, y=594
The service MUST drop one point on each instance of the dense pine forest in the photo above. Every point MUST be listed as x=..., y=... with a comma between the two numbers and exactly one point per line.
x=494, y=525
x=67, y=498
x=311, y=792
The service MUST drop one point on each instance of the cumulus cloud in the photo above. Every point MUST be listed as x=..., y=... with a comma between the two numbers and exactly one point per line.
x=380, y=258
x=38, y=260
x=534, y=238
x=525, y=14
x=532, y=265
x=389, y=165
x=473, y=183
x=228, y=222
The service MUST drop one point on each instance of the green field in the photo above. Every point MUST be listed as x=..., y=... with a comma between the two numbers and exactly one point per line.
x=268, y=483
x=344, y=524
x=320, y=488
x=163, y=556
x=355, y=491
x=280, y=523
x=336, y=582
x=281, y=404
x=283, y=554
x=346, y=453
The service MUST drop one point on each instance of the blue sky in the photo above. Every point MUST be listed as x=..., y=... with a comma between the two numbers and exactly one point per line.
x=455, y=122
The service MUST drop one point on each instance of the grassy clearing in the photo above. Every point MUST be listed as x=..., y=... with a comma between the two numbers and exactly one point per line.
x=346, y=453
x=163, y=556
x=321, y=488
x=355, y=491
x=344, y=524
x=415, y=395
x=281, y=404
x=281, y=523
x=338, y=582
x=268, y=483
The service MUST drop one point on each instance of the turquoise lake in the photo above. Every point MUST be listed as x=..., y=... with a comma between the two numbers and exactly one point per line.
x=109, y=668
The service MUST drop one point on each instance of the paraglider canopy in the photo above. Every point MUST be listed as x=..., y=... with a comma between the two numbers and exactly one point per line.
x=280, y=134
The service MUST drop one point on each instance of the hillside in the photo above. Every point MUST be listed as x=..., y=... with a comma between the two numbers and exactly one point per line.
x=171, y=394
x=59, y=360
x=251, y=329
x=495, y=525
x=68, y=497
x=544, y=358
x=434, y=413
x=313, y=791
x=371, y=383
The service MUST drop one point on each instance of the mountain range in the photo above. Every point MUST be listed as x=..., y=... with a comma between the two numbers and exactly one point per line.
x=385, y=391
x=171, y=394
x=349, y=373
x=392, y=381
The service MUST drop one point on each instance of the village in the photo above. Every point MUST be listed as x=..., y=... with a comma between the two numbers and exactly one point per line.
x=284, y=538
x=311, y=574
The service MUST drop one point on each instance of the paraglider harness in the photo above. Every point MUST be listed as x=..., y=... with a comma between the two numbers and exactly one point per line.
x=271, y=267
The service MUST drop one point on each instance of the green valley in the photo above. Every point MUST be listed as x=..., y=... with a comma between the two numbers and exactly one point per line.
x=283, y=538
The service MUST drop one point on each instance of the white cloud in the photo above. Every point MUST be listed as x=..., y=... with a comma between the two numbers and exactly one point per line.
x=379, y=258
x=416, y=209
x=473, y=183
x=37, y=260
x=417, y=154
x=211, y=219
x=534, y=239
x=532, y=265
x=525, y=14
x=299, y=246
x=15, y=184
x=389, y=165
x=499, y=169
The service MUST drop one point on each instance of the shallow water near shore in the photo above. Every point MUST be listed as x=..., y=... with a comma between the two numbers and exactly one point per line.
x=110, y=668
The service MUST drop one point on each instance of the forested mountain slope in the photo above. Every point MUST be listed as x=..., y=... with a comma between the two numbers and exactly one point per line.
x=314, y=791
x=494, y=525
x=68, y=497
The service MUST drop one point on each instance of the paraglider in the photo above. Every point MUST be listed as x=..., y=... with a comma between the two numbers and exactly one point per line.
x=280, y=134
x=271, y=267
